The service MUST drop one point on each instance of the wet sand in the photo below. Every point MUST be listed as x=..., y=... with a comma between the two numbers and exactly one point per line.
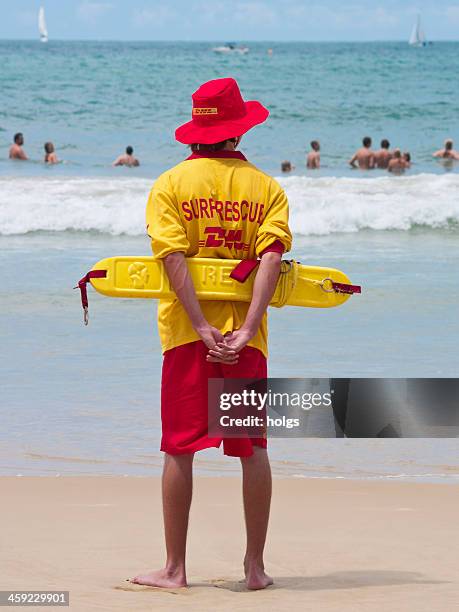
x=334, y=545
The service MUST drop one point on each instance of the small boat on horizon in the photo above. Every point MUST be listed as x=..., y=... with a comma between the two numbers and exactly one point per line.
x=230, y=48
x=418, y=37
x=43, y=30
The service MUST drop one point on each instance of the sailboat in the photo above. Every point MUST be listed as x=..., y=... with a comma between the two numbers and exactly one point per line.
x=417, y=38
x=42, y=25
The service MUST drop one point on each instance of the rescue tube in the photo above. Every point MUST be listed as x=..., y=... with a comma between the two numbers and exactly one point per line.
x=220, y=279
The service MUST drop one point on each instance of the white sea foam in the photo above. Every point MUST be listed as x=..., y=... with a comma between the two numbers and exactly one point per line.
x=326, y=205
x=321, y=205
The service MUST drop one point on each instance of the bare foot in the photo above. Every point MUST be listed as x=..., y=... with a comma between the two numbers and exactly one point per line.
x=164, y=578
x=256, y=578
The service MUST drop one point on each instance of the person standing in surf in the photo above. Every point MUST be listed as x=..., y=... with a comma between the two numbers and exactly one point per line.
x=364, y=157
x=313, y=157
x=397, y=164
x=383, y=156
x=16, y=149
x=448, y=152
x=214, y=204
x=127, y=159
x=50, y=154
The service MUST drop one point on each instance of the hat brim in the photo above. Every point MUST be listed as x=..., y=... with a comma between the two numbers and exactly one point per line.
x=190, y=133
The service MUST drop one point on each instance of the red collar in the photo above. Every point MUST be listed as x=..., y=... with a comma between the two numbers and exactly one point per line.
x=217, y=154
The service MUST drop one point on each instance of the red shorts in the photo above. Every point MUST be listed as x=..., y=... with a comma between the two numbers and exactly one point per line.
x=184, y=408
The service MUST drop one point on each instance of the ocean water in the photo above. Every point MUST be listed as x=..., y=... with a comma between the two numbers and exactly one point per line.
x=92, y=99
x=86, y=400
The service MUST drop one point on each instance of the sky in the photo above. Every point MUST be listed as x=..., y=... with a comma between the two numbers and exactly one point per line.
x=222, y=20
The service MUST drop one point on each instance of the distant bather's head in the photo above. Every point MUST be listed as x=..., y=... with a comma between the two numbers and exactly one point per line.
x=129, y=150
x=366, y=142
x=286, y=166
x=49, y=147
x=315, y=145
x=19, y=139
x=385, y=144
x=449, y=144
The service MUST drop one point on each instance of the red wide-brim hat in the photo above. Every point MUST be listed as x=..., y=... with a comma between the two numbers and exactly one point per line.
x=218, y=113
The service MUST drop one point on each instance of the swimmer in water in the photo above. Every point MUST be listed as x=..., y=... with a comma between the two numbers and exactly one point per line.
x=50, y=154
x=364, y=157
x=383, y=156
x=396, y=164
x=448, y=152
x=313, y=158
x=407, y=159
x=16, y=150
x=127, y=159
x=287, y=166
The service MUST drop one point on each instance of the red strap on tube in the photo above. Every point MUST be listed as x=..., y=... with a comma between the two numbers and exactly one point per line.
x=243, y=269
x=83, y=291
x=344, y=288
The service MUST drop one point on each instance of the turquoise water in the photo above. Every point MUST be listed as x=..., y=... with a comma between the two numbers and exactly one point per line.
x=92, y=99
x=86, y=400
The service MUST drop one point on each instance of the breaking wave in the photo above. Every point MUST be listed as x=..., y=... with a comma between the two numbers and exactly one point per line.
x=319, y=206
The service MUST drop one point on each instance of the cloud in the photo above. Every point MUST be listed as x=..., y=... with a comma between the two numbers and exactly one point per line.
x=90, y=11
x=452, y=14
x=142, y=18
x=339, y=18
x=248, y=12
x=27, y=17
x=255, y=13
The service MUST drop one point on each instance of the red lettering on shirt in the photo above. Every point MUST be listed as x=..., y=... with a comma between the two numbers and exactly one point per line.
x=228, y=211
x=203, y=208
x=188, y=215
x=260, y=214
x=203, y=204
x=219, y=209
x=236, y=211
x=253, y=212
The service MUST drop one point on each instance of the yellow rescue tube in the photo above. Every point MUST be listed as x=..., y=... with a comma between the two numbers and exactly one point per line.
x=298, y=285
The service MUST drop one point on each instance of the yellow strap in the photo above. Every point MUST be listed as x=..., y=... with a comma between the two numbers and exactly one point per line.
x=287, y=282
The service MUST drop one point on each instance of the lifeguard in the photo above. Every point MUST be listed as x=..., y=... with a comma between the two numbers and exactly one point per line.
x=215, y=204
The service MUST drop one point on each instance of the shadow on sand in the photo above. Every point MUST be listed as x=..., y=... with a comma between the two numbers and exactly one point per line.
x=337, y=580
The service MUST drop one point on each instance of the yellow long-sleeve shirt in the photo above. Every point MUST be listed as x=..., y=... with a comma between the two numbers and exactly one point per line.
x=214, y=205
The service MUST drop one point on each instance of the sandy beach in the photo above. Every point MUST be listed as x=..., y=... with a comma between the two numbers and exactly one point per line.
x=333, y=544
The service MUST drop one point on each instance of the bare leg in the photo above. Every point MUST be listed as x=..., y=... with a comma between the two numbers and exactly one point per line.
x=177, y=486
x=257, y=500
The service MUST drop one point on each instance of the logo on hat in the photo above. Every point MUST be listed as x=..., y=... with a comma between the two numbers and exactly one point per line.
x=205, y=111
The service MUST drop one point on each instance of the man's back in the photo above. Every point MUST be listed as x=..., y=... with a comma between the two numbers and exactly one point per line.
x=447, y=154
x=130, y=160
x=17, y=152
x=222, y=207
x=382, y=158
x=313, y=160
x=365, y=158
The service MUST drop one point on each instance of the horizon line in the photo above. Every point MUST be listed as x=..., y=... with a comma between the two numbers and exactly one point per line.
x=219, y=40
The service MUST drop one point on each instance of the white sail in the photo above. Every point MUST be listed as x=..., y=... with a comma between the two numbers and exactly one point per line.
x=414, y=35
x=42, y=25
x=417, y=38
